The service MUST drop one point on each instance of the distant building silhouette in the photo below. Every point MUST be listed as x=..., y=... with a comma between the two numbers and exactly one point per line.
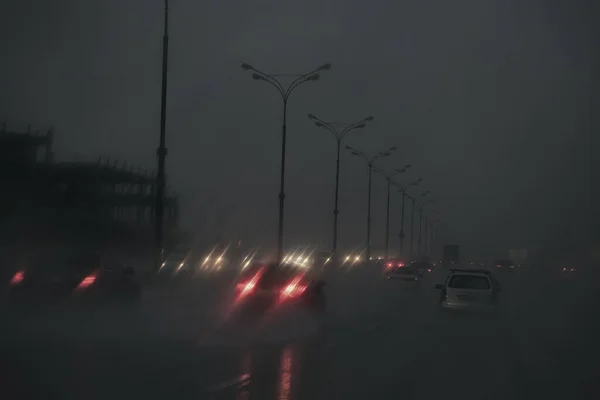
x=43, y=199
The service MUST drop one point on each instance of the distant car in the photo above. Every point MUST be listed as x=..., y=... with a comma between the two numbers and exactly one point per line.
x=393, y=263
x=405, y=274
x=265, y=286
x=72, y=276
x=508, y=264
x=422, y=267
x=469, y=289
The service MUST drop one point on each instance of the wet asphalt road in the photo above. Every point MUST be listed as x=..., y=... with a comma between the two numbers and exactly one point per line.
x=378, y=339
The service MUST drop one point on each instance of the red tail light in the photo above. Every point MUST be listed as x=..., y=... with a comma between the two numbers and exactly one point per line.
x=389, y=265
x=401, y=264
x=247, y=287
x=428, y=269
x=87, y=282
x=17, y=278
x=294, y=288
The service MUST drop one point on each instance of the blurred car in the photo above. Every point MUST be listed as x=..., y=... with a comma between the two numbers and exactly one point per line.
x=263, y=286
x=72, y=276
x=421, y=267
x=504, y=264
x=469, y=289
x=406, y=274
x=393, y=263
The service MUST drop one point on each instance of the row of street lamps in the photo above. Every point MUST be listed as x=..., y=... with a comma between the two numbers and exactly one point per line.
x=339, y=130
x=339, y=133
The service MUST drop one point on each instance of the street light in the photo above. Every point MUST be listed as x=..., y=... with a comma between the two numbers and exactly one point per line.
x=339, y=136
x=370, y=163
x=161, y=152
x=388, y=178
x=404, y=195
x=425, y=193
x=285, y=93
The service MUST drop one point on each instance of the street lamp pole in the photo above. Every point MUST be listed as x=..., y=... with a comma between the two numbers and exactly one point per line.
x=370, y=163
x=412, y=228
x=339, y=136
x=388, y=178
x=285, y=94
x=404, y=195
x=419, y=252
x=161, y=152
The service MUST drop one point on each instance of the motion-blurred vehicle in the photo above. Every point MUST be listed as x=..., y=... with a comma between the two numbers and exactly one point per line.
x=73, y=276
x=264, y=286
x=393, y=263
x=469, y=289
x=504, y=264
x=405, y=274
x=422, y=267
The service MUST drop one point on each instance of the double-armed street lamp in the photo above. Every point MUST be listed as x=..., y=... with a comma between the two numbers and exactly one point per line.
x=388, y=177
x=421, y=219
x=404, y=196
x=412, y=224
x=285, y=92
x=370, y=163
x=339, y=135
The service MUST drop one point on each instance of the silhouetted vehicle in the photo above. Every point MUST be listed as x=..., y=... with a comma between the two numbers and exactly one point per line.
x=405, y=274
x=422, y=267
x=72, y=276
x=392, y=263
x=263, y=286
x=469, y=289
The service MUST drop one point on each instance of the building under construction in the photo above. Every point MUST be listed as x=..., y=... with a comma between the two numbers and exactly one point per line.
x=102, y=202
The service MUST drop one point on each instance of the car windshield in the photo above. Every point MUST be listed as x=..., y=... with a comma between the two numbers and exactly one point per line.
x=475, y=282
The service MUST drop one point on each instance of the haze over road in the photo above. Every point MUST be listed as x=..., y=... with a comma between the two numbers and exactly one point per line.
x=377, y=340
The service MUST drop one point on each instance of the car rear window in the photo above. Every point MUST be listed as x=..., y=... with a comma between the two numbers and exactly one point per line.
x=475, y=282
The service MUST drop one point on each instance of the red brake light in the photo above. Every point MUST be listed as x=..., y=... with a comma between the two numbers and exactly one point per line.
x=17, y=278
x=401, y=264
x=87, y=282
x=247, y=287
x=294, y=288
x=389, y=265
x=428, y=269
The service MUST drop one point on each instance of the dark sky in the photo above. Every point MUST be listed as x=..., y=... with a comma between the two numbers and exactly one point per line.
x=489, y=100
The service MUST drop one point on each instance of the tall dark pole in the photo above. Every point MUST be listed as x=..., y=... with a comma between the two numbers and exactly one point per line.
x=387, y=220
x=339, y=136
x=412, y=229
x=336, y=211
x=426, y=238
x=282, y=184
x=368, y=251
x=402, y=226
x=420, y=228
x=285, y=94
x=370, y=163
x=162, y=150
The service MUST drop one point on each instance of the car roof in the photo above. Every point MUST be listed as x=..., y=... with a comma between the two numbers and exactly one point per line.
x=470, y=271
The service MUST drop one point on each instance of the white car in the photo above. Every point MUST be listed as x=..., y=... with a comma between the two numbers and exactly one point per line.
x=469, y=289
